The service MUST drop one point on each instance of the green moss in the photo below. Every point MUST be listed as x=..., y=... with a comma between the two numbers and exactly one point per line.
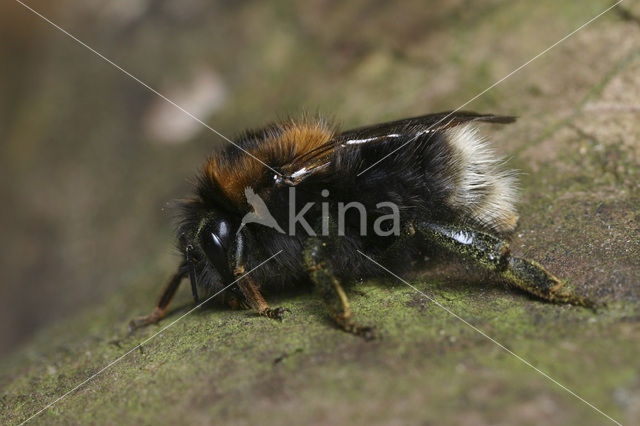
x=225, y=363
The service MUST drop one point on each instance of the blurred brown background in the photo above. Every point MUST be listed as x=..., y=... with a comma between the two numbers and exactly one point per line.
x=91, y=159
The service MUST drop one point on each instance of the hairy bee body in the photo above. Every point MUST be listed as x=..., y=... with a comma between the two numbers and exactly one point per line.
x=433, y=174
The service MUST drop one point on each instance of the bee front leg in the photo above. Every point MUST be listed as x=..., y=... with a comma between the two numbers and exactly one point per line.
x=493, y=254
x=256, y=301
x=315, y=255
x=249, y=292
x=160, y=309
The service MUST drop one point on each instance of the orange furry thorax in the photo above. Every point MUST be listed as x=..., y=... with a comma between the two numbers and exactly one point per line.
x=278, y=146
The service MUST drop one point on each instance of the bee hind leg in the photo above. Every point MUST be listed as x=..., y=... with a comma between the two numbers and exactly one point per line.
x=493, y=254
x=530, y=276
x=315, y=256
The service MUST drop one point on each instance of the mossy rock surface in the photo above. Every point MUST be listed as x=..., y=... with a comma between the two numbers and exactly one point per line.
x=577, y=144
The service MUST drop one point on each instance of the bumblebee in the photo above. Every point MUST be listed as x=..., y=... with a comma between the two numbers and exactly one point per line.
x=373, y=190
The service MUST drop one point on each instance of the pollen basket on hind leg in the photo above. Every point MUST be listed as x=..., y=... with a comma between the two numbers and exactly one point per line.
x=485, y=192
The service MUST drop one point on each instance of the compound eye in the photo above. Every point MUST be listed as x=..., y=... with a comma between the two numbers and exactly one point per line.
x=215, y=239
x=223, y=234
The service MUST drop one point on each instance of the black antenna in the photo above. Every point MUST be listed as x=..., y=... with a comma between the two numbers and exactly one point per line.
x=192, y=274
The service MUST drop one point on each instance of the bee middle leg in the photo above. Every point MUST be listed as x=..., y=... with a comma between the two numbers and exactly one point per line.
x=315, y=257
x=493, y=254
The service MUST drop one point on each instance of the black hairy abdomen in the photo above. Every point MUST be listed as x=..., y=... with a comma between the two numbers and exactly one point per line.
x=418, y=178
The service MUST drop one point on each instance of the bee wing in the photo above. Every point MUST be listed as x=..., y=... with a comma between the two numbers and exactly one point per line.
x=421, y=124
x=318, y=159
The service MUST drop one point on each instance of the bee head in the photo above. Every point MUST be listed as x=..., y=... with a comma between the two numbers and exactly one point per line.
x=211, y=244
x=215, y=239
